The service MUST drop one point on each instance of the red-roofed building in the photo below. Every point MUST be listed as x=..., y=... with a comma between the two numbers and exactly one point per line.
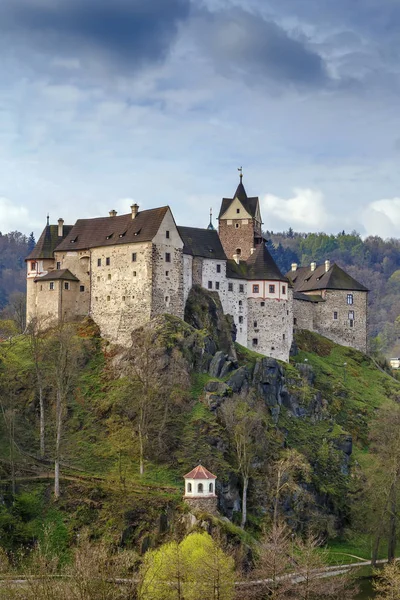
x=200, y=489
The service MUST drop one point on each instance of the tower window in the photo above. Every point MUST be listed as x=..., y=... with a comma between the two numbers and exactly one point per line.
x=351, y=323
x=241, y=288
x=255, y=341
x=238, y=251
x=167, y=235
x=167, y=257
x=255, y=324
x=166, y=273
x=210, y=285
x=349, y=298
x=51, y=285
x=272, y=289
x=240, y=303
x=237, y=225
x=335, y=315
x=237, y=210
x=284, y=289
x=351, y=315
x=108, y=298
x=240, y=320
x=58, y=266
x=99, y=262
x=109, y=277
x=230, y=287
x=66, y=285
x=134, y=257
x=283, y=336
x=294, y=321
x=108, y=261
x=210, y=487
x=218, y=268
x=217, y=285
x=256, y=289
x=81, y=288
x=134, y=273
x=262, y=303
x=33, y=266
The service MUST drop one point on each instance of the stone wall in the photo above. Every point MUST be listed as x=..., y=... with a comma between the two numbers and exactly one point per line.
x=237, y=234
x=79, y=264
x=206, y=505
x=339, y=330
x=187, y=275
x=303, y=314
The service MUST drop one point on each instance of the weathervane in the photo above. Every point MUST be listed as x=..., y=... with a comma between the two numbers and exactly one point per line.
x=240, y=169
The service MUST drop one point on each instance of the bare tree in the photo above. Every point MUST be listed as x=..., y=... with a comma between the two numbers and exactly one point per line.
x=38, y=345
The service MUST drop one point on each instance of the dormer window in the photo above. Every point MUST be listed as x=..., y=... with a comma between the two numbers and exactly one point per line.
x=138, y=231
x=109, y=236
x=121, y=235
x=74, y=240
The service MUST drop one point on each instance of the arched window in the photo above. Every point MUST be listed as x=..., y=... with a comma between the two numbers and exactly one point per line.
x=189, y=487
x=238, y=251
x=200, y=488
x=210, y=488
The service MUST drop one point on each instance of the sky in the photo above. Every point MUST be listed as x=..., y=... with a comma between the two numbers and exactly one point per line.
x=105, y=102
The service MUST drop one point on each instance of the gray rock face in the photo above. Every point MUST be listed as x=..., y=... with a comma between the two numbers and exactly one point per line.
x=227, y=368
x=229, y=496
x=239, y=380
x=217, y=364
x=307, y=372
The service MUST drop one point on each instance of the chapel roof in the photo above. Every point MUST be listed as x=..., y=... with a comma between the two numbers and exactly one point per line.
x=202, y=242
x=48, y=241
x=110, y=231
x=63, y=274
x=249, y=204
x=335, y=278
x=199, y=472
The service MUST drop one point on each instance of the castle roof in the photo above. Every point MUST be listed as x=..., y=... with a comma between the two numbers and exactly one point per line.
x=202, y=242
x=63, y=274
x=48, y=241
x=261, y=265
x=199, y=472
x=249, y=204
x=335, y=278
x=307, y=297
x=110, y=231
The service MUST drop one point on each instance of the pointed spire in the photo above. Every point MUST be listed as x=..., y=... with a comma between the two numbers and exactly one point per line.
x=210, y=226
x=48, y=219
x=240, y=191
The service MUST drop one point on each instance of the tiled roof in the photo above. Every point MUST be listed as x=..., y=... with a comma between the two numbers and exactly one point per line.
x=261, y=265
x=307, y=297
x=109, y=231
x=64, y=274
x=249, y=204
x=202, y=242
x=236, y=271
x=305, y=280
x=48, y=241
x=199, y=472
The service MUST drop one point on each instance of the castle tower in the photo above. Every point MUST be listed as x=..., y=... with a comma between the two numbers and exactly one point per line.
x=200, y=490
x=240, y=224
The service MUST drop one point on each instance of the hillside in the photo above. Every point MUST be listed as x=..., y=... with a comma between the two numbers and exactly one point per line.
x=321, y=405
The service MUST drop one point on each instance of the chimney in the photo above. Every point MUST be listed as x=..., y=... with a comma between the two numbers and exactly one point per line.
x=236, y=258
x=313, y=266
x=60, y=227
x=252, y=250
x=113, y=213
x=135, y=210
x=327, y=265
x=294, y=267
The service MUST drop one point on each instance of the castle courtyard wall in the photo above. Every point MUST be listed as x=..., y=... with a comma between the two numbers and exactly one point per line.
x=303, y=314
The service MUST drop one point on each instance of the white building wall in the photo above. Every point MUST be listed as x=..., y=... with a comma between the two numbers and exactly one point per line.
x=192, y=488
x=234, y=302
x=187, y=275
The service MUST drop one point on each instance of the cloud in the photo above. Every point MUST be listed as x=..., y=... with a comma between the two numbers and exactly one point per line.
x=11, y=216
x=382, y=218
x=245, y=44
x=125, y=33
x=305, y=211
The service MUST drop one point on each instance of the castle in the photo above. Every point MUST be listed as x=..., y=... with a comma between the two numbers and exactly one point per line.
x=124, y=270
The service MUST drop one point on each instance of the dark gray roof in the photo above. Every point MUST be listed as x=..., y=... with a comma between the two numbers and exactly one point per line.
x=249, y=204
x=307, y=297
x=261, y=265
x=109, y=231
x=48, y=241
x=64, y=274
x=202, y=242
x=235, y=270
x=305, y=280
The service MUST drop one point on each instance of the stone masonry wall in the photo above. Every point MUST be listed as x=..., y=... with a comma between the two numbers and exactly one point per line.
x=303, y=314
x=339, y=330
x=272, y=326
x=206, y=505
x=187, y=275
x=79, y=264
x=237, y=233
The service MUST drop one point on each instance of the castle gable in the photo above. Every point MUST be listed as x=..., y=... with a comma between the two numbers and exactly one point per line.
x=307, y=280
x=111, y=231
x=48, y=242
x=250, y=206
x=62, y=274
x=204, y=243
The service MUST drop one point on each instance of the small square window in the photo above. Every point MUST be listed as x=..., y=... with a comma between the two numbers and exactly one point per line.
x=272, y=289
x=230, y=287
x=123, y=298
x=240, y=303
x=109, y=277
x=284, y=289
x=262, y=303
x=167, y=235
x=218, y=268
x=241, y=288
x=99, y=262
x=81, y=288
x=167, y=257
x=217, y=285
x=66, y=285
x=58, y=266
x=108, y=261
x=134, y=257
x=210, y=285
x=256, y=289
x=335, y=316
x=255, y=341
x=240, y=320
x=166, y=273
x=51, y=285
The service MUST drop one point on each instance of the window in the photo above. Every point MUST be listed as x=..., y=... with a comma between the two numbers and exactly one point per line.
x=167, y=299
x=351, y=323
x=33, y=266
x=189, y=487
x=51, y=285
x=81, y=288
x=109, y=277
x=58, y=266
x=256, y=289
x=134, y=273
x=99, y=262
x=238, y=251
x=294, y=321
x=230, y=287
x=349, y=298
x=283, y=336
x=123, y=298
x=166, y=273
x=262, y=303
x=240, y=303
x=210, y=487
x=217, y=285
x=167, y=235
x=108, y=298
x=41, y=288
x=272, y=289
x=237, y=211
x=210, y=285
x=351, y=315
x=240, y=320
x=200, y=488
x=255, y=341
x=284, y=289
x=241, y=288
x=167, y=257
x=255, y=324
x=218, y=268
x=134, y=257
x=237, y=225
x=96, y=298
x=98, y=278
x=335, y=316
x=66, y=285
x=108, y=261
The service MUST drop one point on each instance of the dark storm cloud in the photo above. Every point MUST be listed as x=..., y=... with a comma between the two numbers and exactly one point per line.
x=127, y=32
x=242, y=43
